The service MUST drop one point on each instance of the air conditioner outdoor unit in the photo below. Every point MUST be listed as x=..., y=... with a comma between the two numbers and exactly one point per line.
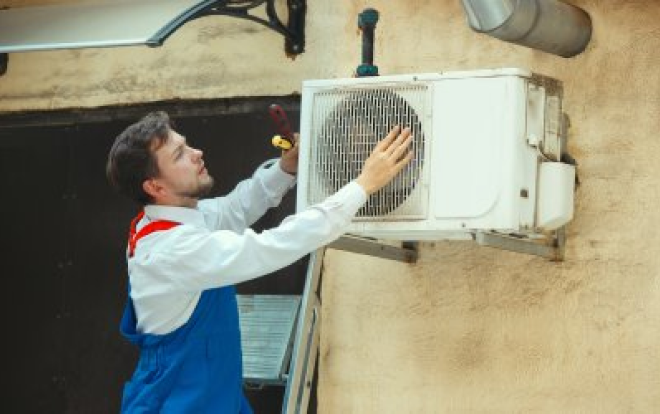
x=487, y=150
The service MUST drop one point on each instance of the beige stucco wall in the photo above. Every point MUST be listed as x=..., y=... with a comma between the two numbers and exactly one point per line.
x=471, y=329
x=467, y=328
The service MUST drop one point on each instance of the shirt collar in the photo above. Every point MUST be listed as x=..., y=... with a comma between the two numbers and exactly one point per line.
x=183, y=215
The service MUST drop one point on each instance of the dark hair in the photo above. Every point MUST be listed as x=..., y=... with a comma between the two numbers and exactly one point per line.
x=131, y=159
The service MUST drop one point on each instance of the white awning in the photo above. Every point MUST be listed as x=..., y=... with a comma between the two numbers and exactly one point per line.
x=98, y=24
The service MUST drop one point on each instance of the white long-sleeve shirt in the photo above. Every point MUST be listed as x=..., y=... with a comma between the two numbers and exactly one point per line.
x=214, y=247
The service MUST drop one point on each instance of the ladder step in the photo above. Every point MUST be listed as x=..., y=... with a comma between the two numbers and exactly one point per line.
x=267, y=328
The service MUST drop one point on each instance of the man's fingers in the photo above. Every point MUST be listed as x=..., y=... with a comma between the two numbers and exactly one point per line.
x=294, y=145
x=402, y=147
x=403, y=162
x=387, y=141
x=400, y=139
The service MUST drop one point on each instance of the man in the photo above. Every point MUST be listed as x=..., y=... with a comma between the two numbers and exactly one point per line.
x=185, y=254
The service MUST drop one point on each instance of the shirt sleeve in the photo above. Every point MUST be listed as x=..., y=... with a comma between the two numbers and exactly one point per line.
x=250, y=199
x=192, y=260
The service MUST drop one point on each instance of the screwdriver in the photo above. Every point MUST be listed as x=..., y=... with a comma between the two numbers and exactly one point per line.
x=284, y=140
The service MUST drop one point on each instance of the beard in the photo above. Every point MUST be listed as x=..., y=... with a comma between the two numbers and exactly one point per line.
x=203, y=189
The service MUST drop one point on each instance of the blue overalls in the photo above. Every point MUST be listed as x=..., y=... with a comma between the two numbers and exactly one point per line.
x=197, y=368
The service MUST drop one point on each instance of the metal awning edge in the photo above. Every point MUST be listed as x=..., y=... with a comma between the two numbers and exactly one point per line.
x=190, y=14
x=150, y=39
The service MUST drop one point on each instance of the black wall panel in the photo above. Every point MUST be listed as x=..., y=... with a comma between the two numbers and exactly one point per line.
x=63, y=240
x=34, y=178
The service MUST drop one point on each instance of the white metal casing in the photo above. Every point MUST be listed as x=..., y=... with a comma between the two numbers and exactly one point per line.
x=485, y=133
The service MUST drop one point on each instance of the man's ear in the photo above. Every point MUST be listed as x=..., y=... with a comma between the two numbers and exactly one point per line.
x=154, y=188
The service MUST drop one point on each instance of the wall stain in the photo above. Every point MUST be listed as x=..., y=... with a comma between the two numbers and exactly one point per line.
x=469, y=352
x=207, y=34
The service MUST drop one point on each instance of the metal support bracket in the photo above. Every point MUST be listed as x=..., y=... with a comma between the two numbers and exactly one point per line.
x=3, y=63
x=4, y=58
x=293, y=31
x=407, y=252
x=551, y=247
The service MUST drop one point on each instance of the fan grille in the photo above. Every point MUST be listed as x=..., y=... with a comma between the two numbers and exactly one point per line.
x=347, y=125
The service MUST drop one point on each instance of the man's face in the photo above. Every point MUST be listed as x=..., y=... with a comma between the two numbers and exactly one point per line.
x=182, y=173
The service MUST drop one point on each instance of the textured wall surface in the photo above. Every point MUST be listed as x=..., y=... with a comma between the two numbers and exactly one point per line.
x=467, y=328
x=472, y=329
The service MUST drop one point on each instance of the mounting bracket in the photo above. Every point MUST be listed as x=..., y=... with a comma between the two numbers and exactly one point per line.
x=293, y=31
x=3, y=63
x=551, y=247
x=406, y=252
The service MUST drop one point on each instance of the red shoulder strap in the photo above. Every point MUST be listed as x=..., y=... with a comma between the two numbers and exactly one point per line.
x=154, y=226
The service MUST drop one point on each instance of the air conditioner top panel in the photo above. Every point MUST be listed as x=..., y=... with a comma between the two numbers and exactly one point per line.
x=482, y=73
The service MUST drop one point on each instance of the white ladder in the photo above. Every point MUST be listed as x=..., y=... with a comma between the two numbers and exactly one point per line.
x=280, y=333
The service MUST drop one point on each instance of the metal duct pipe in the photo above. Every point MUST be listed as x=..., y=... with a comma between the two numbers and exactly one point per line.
x=548, y=25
